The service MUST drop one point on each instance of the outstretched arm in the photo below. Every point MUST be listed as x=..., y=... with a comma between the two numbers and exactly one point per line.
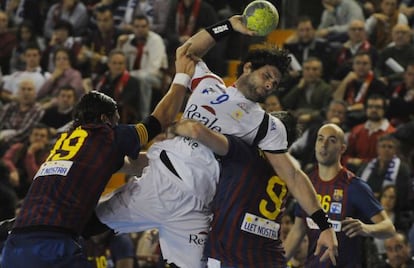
x=301, y=188
x=202, y=41
x=169, y=106
x=381, y=228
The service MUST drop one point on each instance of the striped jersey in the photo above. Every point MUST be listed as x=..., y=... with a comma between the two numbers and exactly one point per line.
x=248, y=208
x=68, y=185
x=344, y=196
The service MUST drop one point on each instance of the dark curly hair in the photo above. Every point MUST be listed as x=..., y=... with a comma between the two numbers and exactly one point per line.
x=91, y=106
x=266, y=54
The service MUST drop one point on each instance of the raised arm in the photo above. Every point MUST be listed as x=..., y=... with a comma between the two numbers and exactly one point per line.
x=169, y=106
x=205, y=39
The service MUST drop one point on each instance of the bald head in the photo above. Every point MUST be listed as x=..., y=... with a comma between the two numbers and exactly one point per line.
x=334, y=130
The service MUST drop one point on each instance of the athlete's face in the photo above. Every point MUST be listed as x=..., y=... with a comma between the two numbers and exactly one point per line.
x=257, y=84
x=329, y=145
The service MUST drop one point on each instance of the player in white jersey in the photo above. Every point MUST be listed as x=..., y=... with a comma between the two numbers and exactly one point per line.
x=175, y=190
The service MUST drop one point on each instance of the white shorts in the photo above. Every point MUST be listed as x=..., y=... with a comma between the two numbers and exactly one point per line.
x=160, y=200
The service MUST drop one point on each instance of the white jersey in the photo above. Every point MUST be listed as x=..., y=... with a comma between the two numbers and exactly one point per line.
x=225, y=110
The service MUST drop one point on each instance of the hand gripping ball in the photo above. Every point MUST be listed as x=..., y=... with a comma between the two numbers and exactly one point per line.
x=261, y=17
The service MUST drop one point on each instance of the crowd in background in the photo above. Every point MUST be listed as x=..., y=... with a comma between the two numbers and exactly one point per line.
x=352, y=66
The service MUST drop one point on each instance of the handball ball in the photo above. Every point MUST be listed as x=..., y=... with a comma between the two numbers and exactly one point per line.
x=261, y=17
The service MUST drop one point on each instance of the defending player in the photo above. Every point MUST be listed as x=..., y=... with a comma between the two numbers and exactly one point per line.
x=67, y=186
x=185, y=173
x=352, y=207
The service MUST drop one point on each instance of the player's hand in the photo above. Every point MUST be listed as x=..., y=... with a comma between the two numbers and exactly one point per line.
x=327, y=239
x=353, y=227
x=239, y=26
x=184, y=61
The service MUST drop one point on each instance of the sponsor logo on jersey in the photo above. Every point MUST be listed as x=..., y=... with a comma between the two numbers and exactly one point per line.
x=208, y=91
x=60, y=168
x=193, y=112
x=260, y=226
x=272, y=125
x=338, y=194
x=198, y=239
x=336, y=208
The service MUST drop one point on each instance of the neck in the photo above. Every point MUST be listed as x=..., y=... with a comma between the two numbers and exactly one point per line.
x=31, y=68
x=328, y=173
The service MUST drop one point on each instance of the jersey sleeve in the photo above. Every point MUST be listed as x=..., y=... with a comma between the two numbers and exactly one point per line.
x=239, y=150
x=203, y=76
x=275, y=139
x=364, y=200
x=128, y=140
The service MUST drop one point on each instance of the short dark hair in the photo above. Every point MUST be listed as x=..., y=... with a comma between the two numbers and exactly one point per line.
x=68, y=87
x=64, y=25
x=266, y=54
x=42, y=126
x=91, y=106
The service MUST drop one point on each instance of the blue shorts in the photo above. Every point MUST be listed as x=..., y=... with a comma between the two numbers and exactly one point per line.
x=43, y=250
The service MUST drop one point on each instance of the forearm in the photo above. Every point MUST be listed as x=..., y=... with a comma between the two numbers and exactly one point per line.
x=302, y=189
x=169, y=106
x=201, y=43
x=294, y=238
x=217, y=142
x=381, y=230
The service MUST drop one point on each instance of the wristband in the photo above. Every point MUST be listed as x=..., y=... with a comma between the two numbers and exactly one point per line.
x=220, y=30
x=182, y=79
x=321, y=219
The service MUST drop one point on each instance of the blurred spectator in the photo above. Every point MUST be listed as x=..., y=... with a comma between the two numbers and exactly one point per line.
x=23, y=159
x=398, y=252
x=405, y=134
x=8, y=197
x=357, y=43
x=336, y=17
x=387, y=169
x=304, y=44
x=393, y=60
x=310, y=95
x=123, y=12
x=363, y=138
x=401, y=108
x=146, y=59
x=32, y=71
x=379, y=25
x=63, y=74
x=26, y=10
x=357, y=86
x=303, y=148
x=72, y=11
x=7, y=43
x=272, y=103
x=407, y=8
x=121, y=86
x=18, y=117
x=187, y=17
x=155, y=11
x=92, y=58
x=59, y=117
x=62, y=37
x=110, y=250
x=26, y=36
x=369, y=7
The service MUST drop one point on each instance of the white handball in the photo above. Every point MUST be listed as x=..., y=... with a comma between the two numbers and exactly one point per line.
x=261, y=17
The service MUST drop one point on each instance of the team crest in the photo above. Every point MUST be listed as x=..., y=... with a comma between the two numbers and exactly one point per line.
x=338, y=194
x=336, y=208
x=237, y=115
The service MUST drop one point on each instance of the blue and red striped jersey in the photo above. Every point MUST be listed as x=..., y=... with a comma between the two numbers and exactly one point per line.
x=68, y=185
x=247, y=207
x=344, y=196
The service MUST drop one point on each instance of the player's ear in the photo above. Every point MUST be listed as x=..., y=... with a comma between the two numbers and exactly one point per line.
x=247, y=68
